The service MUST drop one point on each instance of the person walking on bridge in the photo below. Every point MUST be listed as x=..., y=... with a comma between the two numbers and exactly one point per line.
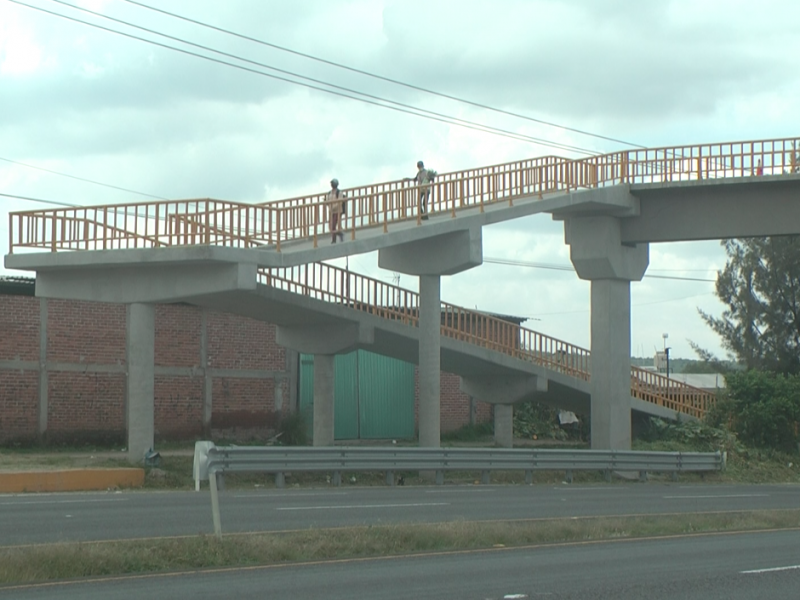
x=335, y=200
x=423, y=179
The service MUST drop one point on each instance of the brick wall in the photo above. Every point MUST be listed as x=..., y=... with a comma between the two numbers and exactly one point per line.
x=178, y=406
x=85, y=406
x=19, y=405
x=86, y=362
x=19, y=328
x=178, y=336
x=85, y=332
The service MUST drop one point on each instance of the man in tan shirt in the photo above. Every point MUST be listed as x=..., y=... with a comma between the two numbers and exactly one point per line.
x=335, y=201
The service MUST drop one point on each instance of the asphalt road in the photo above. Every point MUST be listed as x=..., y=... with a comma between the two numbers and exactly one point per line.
x=712, y=567
x=41, y=518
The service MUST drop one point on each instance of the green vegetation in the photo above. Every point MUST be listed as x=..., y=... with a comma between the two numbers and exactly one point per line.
x=479, y=432
x=760, y=325
x=51, y=562
x=762, y=408
x=534, y=421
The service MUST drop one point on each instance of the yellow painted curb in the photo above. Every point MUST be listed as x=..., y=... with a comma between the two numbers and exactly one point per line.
x=74, y=480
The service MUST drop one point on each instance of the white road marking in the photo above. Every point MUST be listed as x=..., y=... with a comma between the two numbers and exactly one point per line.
x=62, y=502
x=717, y=496
x=278, y=495
x=485, y=491
x=607, y=488
x=362, y=506
x=773, y=570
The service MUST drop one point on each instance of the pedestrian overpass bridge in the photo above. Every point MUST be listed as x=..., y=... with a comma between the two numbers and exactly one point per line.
x=265, y=261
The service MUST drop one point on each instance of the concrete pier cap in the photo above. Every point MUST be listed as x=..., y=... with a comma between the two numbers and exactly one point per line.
x=148, y=283
x=325, y=339
x=597, y=253
x=445, y=254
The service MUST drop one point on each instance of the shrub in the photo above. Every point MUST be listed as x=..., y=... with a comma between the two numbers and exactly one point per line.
x=537, y=421
x=293, y=429
x=763, y=409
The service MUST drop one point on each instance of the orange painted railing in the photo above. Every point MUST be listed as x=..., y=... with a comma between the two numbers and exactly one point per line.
x=203, y=222
x=332, y=284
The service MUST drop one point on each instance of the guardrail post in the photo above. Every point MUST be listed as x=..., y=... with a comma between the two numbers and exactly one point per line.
x=643, y=476
x=674, y=476
x=607, y=475
x=485, y=477
x=390, y=478
x=212, y=480
x=337, y=478
x=568, y=476
x=439, y=477
x=528, y=477
x=280, y=480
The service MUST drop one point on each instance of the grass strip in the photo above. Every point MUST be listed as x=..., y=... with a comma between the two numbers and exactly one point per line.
x=50, y=562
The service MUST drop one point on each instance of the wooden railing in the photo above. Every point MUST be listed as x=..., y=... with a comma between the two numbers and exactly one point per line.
x=203, y=222
x=333, y=284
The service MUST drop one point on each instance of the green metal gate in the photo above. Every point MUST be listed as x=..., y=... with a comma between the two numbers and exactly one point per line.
x=373, y=396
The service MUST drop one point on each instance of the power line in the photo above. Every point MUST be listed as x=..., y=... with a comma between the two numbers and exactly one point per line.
x=382, y=77
x=455, y=120
x=376, y=100
x=42, y=201
x=668, y=300
x=520, y=263
x=95, y=182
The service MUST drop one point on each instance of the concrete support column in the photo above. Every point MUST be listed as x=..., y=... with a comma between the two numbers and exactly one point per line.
x=430, y=325
x=599, y=256
x=208, y=380
x=323, y=399
x=43, y=378
x=611, y=364
x=141, y=379
x=504, y=425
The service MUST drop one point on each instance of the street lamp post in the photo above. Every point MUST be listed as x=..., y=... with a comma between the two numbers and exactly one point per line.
x=666, y=351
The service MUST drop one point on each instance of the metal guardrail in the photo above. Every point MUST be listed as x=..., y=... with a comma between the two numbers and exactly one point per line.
x=212, y=462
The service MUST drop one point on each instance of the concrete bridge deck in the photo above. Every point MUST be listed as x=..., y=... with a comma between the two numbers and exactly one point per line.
x=613, y=206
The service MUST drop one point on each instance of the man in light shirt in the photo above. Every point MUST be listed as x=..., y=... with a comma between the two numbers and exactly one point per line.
x=423, y=179
x=335, y=201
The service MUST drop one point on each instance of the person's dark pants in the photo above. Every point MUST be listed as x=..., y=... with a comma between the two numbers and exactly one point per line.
x=336, y=219
x=423, y=203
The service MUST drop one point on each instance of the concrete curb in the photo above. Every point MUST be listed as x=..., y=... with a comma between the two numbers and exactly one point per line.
x=69, y=480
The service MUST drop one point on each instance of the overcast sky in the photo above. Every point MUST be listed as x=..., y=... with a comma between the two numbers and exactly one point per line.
x=100, y=106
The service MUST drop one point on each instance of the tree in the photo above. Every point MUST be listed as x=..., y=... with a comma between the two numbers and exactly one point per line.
x=760, y=286
x=762, y=408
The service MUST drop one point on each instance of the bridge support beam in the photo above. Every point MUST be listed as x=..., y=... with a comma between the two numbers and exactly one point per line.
x=429, y=259
x=599, y=256
x=503, y=391
x=430, y=324
x=324, y=342
x=323, y=399
x=504, y=425
x=140, y=349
